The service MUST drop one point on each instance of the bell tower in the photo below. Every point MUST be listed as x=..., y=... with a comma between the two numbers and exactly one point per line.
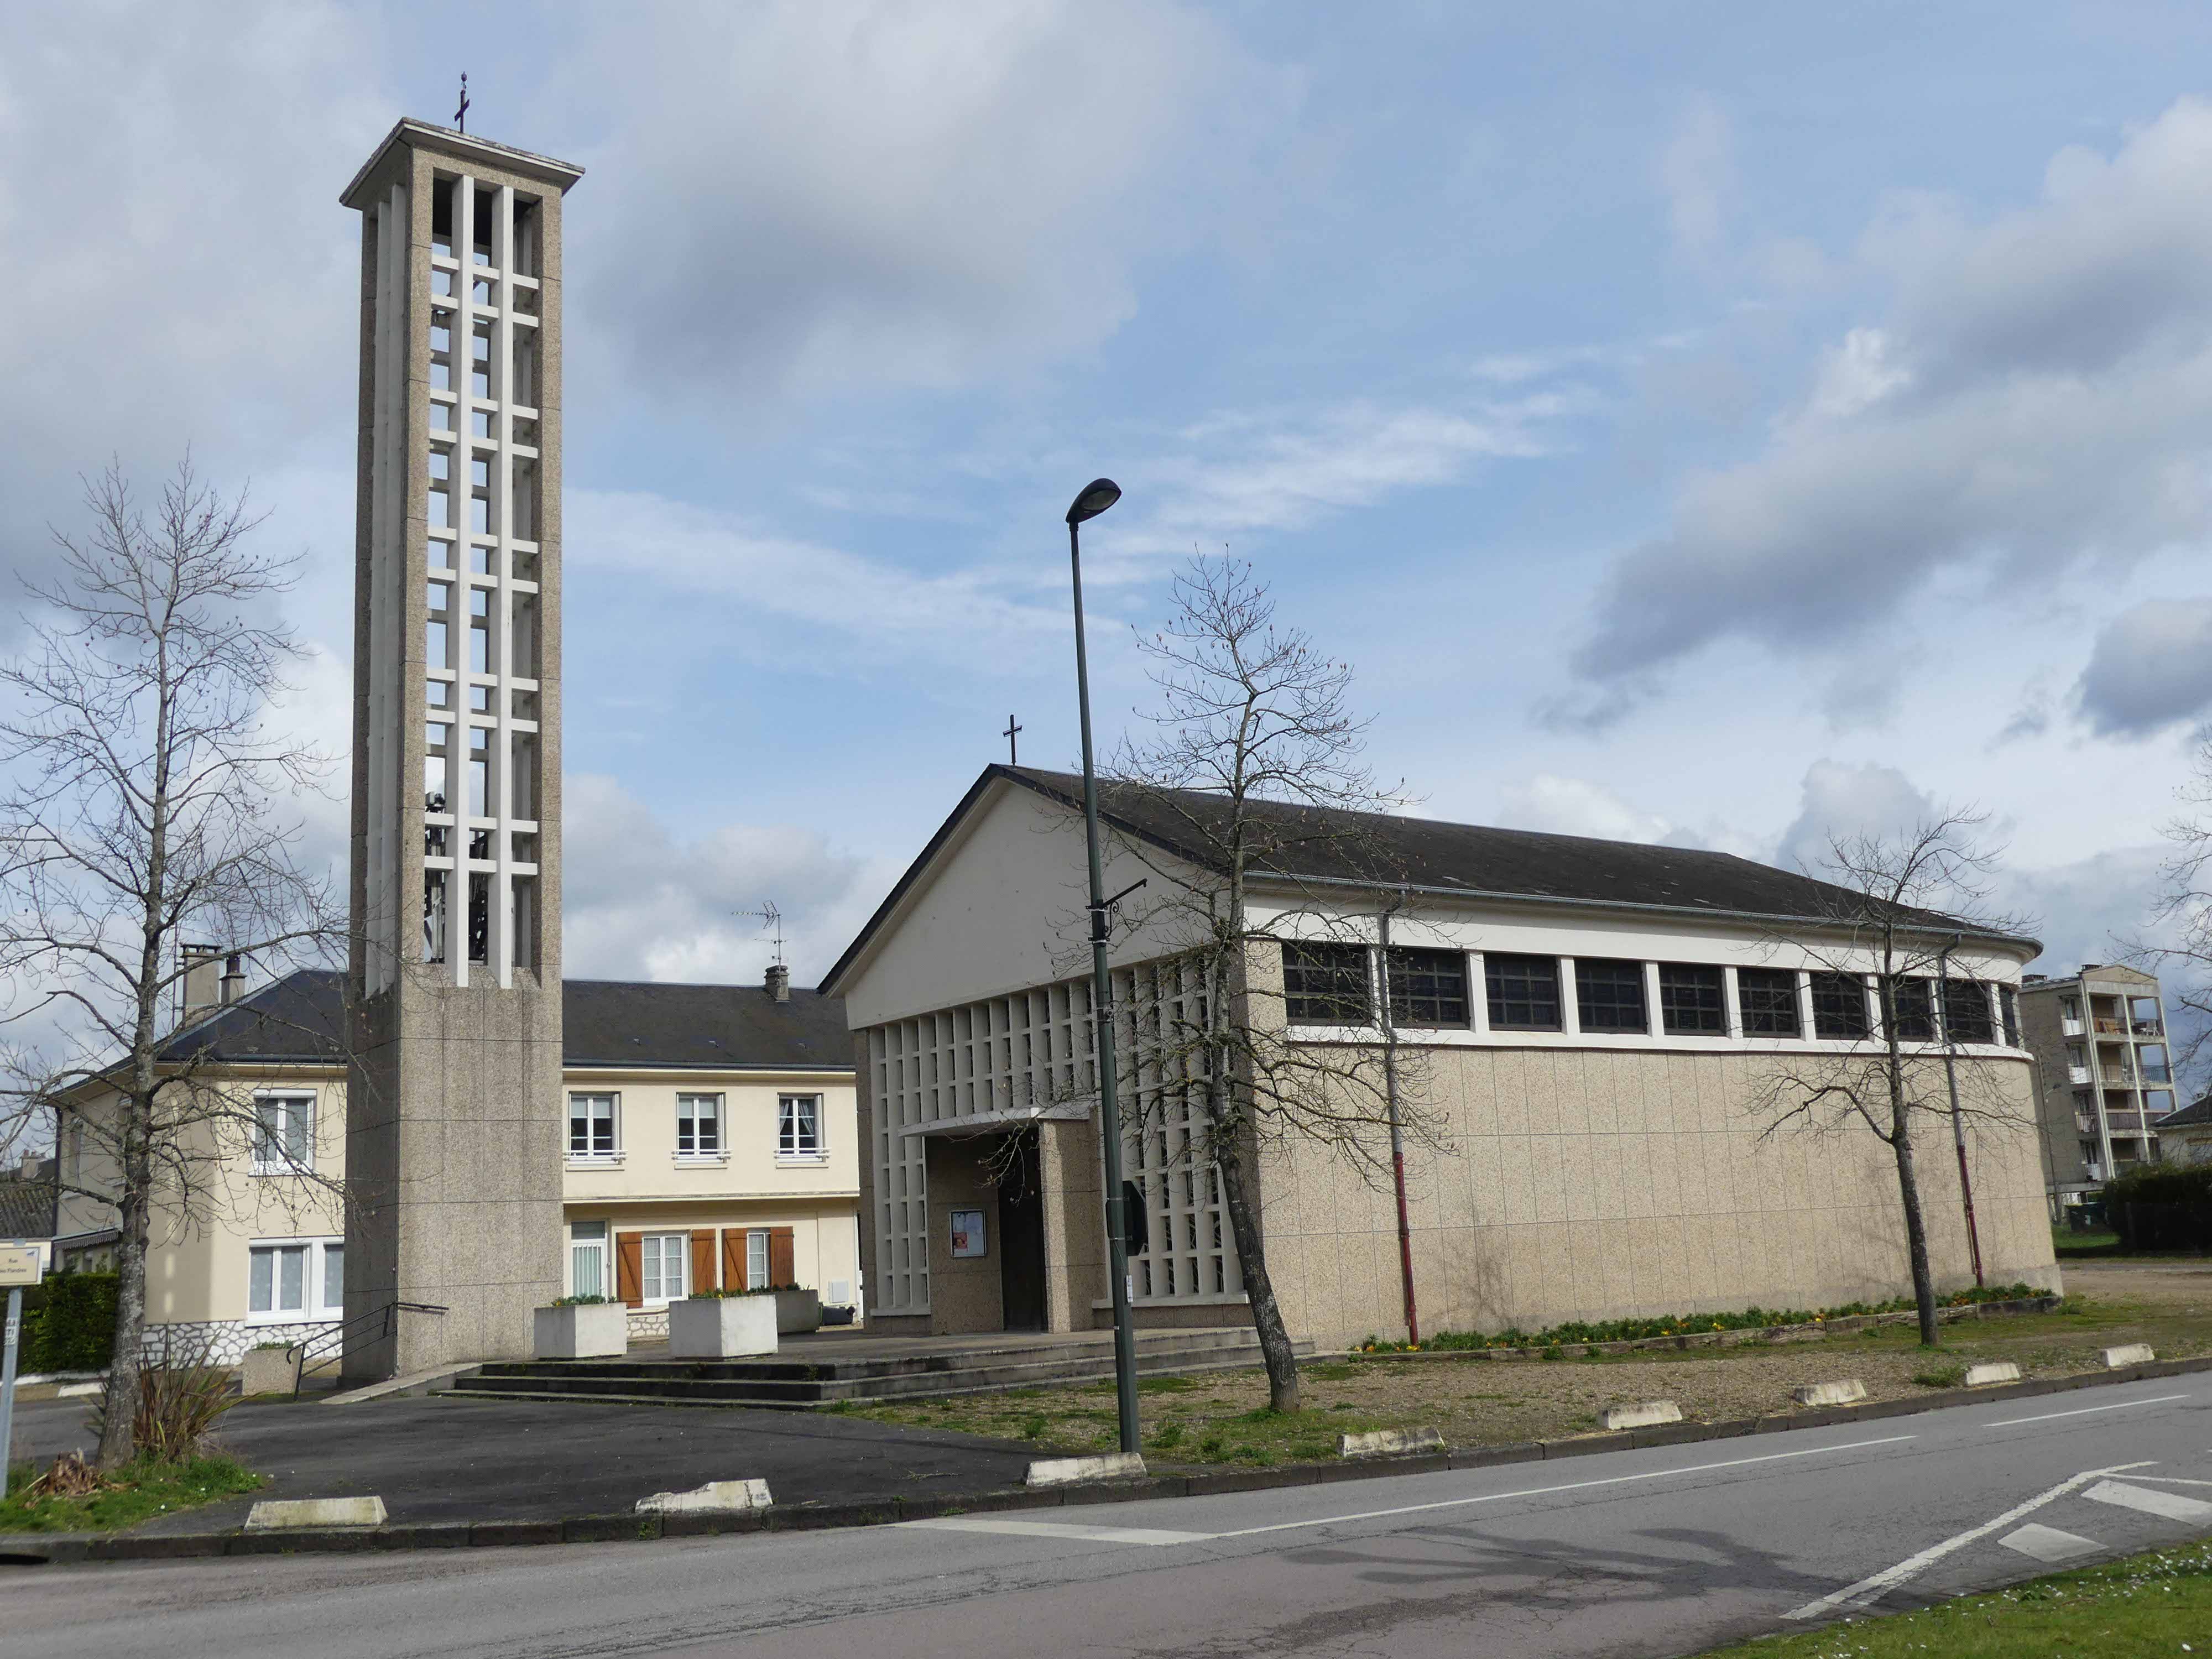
x=454, y=1100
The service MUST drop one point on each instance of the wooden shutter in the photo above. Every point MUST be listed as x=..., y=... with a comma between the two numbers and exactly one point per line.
x=733, y=1259
x=702, y=1261
x=630, y=1268
x=782, y=1257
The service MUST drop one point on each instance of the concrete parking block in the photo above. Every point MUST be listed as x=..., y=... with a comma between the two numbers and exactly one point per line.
x=1647, y=1415
x=271, y=1514
x=1112, y=1465
x=1980, y=1377
x=1388, y=1442
x=2131, y=1353
x=1846, y=1392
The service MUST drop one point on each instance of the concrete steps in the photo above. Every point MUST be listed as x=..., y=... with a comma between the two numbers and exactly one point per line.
x=994, y=1364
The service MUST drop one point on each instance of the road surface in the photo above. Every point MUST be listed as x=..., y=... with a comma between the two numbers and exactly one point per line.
x=1639, y=1552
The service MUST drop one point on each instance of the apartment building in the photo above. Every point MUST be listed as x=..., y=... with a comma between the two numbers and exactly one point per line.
x=2104, y=1073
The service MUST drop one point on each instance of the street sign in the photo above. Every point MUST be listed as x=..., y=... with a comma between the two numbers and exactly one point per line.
x=18, y=1264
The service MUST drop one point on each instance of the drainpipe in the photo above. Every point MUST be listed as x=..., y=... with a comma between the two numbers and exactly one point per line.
x=1397, y=1137
x=1958, y=1121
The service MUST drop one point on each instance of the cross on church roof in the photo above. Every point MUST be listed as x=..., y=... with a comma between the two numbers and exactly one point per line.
x=1011, y=732
x=461, y=115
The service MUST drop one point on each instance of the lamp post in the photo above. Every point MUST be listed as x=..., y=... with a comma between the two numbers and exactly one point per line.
x=1093, y=499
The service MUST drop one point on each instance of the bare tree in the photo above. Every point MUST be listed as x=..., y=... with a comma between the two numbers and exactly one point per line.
x=143, y=808
x=2184, y=908
x=1254, y=772
x=1898, y=908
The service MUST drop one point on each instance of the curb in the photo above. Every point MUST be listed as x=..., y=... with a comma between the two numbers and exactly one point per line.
x=29, y=1549
x=1739, y=1337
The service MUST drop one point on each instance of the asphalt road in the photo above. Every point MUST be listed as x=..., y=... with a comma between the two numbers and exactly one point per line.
x=1640, y=1553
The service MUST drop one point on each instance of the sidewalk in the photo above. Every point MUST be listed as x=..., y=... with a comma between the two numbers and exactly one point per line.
x=436, y=1459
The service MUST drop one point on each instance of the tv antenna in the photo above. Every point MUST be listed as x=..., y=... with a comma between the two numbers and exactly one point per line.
x=772, y=918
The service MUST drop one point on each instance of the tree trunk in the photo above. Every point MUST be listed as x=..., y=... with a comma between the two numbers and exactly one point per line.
x=1915, y=1236
x=1275, y=1350
x=119, y=1414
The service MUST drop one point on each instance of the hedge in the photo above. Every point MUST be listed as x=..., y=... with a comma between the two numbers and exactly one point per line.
x=2162, y=1207
x=74, y=1330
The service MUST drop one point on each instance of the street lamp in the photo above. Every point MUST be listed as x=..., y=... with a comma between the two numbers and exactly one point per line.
x=1095, y=498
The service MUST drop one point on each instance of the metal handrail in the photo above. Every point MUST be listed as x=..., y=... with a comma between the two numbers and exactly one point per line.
x=308, y=1347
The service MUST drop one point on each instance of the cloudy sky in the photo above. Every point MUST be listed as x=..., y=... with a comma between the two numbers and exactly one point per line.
x=1709, y=423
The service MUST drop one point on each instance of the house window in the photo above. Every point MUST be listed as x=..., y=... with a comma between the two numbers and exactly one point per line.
x=591, y=1125
x=295, y=1280
x=2008, y=1000
x=1966, y=1011
x=798, y=1126
x=1428, y=988
x=661, y=1258
x=1326, y=984
x=756, y=1260
x=1914, y=1001
x=1609, y=996
x=1523, y=992
x=284, y=1134
x=1691, y=1001
x=1769, y=1000
x=2158, y=1103
x=698, y=1126
x=1840, y=1007
x=588, y=1258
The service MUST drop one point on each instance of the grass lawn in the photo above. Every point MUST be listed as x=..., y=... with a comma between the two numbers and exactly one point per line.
x=1221, y=1417
x=2158, y=1603
x=141, y=1491
x=2065, y=1241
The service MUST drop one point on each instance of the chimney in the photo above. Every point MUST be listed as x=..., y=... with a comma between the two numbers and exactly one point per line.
x=234, y=979
x=779, y=982
x=202, y=991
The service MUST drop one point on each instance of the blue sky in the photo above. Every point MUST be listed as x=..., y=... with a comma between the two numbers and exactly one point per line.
x=1714, y=423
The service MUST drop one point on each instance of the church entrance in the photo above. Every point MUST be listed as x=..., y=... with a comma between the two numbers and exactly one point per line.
x=1021, y=1234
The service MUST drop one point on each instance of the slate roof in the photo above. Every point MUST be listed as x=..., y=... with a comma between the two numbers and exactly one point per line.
x=26, y=1204
x=301, y=1019
x=2190, y=1116
x=1318, y=845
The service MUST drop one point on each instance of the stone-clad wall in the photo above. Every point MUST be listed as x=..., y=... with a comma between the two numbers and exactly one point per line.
x=1596, y=1184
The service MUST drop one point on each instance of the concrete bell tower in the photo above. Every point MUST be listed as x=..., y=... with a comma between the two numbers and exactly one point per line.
x=453, y=1102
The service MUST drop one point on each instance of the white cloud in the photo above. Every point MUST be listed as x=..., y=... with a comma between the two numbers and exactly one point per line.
x=640, y=901
x=1574, y=807
x=1839, y=801
x=870, y=195
x=2040, y=393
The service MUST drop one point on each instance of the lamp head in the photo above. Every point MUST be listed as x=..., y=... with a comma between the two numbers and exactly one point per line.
x=1093, y=499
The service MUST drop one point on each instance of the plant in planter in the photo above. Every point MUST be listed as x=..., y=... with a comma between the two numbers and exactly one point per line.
x=721, y=1325
x=580, y=1328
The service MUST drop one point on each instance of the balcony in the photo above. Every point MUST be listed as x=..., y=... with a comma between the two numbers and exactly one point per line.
x=2108, y=1027
x=2149, y=1028
x=2127, y=1123
x=2078, y=1076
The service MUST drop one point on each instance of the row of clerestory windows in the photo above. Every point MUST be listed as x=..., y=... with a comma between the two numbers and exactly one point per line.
x=1334, y=984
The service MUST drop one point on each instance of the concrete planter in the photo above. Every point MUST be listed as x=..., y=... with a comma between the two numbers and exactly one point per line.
x=721, y=1326
x=797, y=1311
x=580, y=1330
x=266, y=1370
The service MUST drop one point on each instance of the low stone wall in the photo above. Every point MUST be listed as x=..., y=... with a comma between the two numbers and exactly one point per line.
x=223, y=1341
x=648, y=1324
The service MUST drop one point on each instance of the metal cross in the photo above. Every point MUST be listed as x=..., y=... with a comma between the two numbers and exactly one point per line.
x=461, y=115
x=1009, y=734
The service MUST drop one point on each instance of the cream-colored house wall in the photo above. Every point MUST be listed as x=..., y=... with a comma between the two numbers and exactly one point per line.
x=1000, y=909
x=1604, y=1184
x=647, y=1169
x=199, y=1259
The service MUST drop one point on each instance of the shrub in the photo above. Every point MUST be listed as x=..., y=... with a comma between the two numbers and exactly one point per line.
x=75, y=1329
x=2162, y=1207
x=577, y=1301
x=181, y=1392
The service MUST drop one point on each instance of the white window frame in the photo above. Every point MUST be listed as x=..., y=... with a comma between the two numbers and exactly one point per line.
x=720, y=1153
x=756, y=1259
x=657, y=1243
x=581, y=1236
x=590, y=1158
x=820, y=1152
x=315, y=1309
x=290, y=1160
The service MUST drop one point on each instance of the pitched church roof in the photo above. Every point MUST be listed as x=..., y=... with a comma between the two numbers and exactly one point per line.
x=301, y=1019
x=1323, y=846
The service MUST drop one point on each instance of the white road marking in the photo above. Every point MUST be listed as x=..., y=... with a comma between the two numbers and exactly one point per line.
x=2174, y=1480
x=1889, y=1577
x=2170, y=1506
x=1059, y=1529
x=1574, y=1486
x=2124, y=1405
x=2048, y=1545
